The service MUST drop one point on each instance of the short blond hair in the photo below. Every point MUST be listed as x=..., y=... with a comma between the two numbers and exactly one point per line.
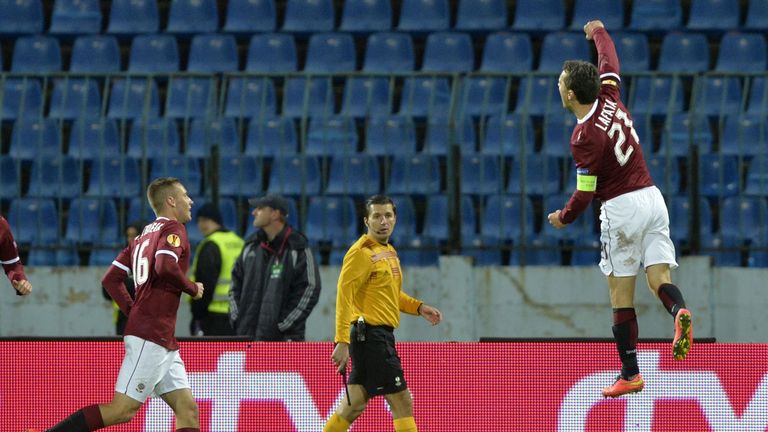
x=160, y=189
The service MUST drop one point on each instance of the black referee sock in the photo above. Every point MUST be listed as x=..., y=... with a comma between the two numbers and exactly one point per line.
x=74, y=423
x=671, y=298
x=625, y=333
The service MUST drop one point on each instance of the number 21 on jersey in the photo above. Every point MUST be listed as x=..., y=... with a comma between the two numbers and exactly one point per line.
x=617, y=133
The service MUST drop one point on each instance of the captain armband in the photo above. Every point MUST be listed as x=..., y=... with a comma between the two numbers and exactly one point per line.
x=610, y=82
x=586, y=183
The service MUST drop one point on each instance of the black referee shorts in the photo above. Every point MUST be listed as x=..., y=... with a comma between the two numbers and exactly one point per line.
x=375, y=364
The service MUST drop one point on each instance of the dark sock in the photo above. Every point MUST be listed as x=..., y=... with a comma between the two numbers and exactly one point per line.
x=671, y=298
x=625, y=333
x=85, y=420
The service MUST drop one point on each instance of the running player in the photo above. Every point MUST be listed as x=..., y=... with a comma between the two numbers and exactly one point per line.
x=9, y=258
x=634, y=226
x=158, y=260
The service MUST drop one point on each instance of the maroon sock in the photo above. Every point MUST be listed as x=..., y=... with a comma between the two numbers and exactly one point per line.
x=188, y=430
x=93, y=417
x=625, y=333
x=671, y=298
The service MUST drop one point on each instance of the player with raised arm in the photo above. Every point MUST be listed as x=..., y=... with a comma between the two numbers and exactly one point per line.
x=634, y=222
x=9, y=258
x=158, y=259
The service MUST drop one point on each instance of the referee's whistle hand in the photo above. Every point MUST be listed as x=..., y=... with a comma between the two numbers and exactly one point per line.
x=340, y=356
x=431, y=314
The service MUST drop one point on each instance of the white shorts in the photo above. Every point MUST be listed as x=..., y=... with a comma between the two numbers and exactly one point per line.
x=634, y=231
x=149, y=370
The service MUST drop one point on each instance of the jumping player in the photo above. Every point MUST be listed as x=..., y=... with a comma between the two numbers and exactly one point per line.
x=158, y=260
x=9, y=258
x=634, y=223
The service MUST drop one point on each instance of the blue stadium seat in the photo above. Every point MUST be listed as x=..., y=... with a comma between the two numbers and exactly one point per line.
x=538, y=95
x=558, y=128
x=21, y=97
x=448, y=52
x=715, y=96
x=758, y=96
x=744, y=134
x=742, y=52
x=153, y=137
x=443, y=132
x=611, y=14
x=154, y=54
x=684, y=52
x=633, y=51
x=55, y=177
x=542, y=175
x=367, y=96
x=665, y=173
x=353, y=175
x=586, y=252
x=331, y=217
x=683, y=129
x=406, y=215
x=92, y=220
x=437, y=213
x=251, y=16
x=95, y=137
x=713, y=15
x=34, y=220
x=738, y=216
x=54, y=258
x=417, y=251
x=331, y=135
x=250, y=97
x=133, y=99
x=423, y=96
x=718, y=175
x=205, y=133
x=115, y=177
x=483, y=250
x=331, y=52
x=140, y=210
x=757, y=15
x=680, y=214
x=309, y=16
x=389, y=52
x=186, y=169
x=272, y=136
x=95, y=54
x=388, y=135
x=507, y=135
x=272, y=52
x=213, y=52
x=229, y=213
x=129, y=17
x=644, y=127
x=10, y=170
x=36, y=54
x=298, y=101
x=424, y=16
x=414, y=174
x=539, y=15
x=757, y=176
x=724, y=250
x=73, y=98
x=366, y=16
x=240, y=176
x=32, y=138
x=656, y=15
x=501, y=217
x=21, y=17
x=481, y=15
x=482, y=174
x=507, y=52
x=536, y=250
x=583, y=228
x=102, y=257
x=191, y=97
x=295, y=175
x=193, y=16
x=656, y=95
x=76, y=17
x=560, y=46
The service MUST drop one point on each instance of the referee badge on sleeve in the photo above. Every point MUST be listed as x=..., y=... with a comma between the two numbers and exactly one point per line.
x=173, y=240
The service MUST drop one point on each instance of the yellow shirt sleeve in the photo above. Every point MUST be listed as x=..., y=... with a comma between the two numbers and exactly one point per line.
x=409, y=304
x=354, y=272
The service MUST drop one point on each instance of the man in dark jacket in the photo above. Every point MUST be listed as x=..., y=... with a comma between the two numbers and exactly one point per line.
x=275, y=280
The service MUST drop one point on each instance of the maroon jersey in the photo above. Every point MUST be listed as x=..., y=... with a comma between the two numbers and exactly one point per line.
x=158, y=260
x=9, y=255
x=604, y=143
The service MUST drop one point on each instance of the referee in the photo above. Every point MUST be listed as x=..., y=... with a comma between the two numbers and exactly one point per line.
x=368, y=304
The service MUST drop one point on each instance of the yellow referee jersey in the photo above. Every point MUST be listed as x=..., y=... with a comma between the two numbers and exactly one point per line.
x=370, y=285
